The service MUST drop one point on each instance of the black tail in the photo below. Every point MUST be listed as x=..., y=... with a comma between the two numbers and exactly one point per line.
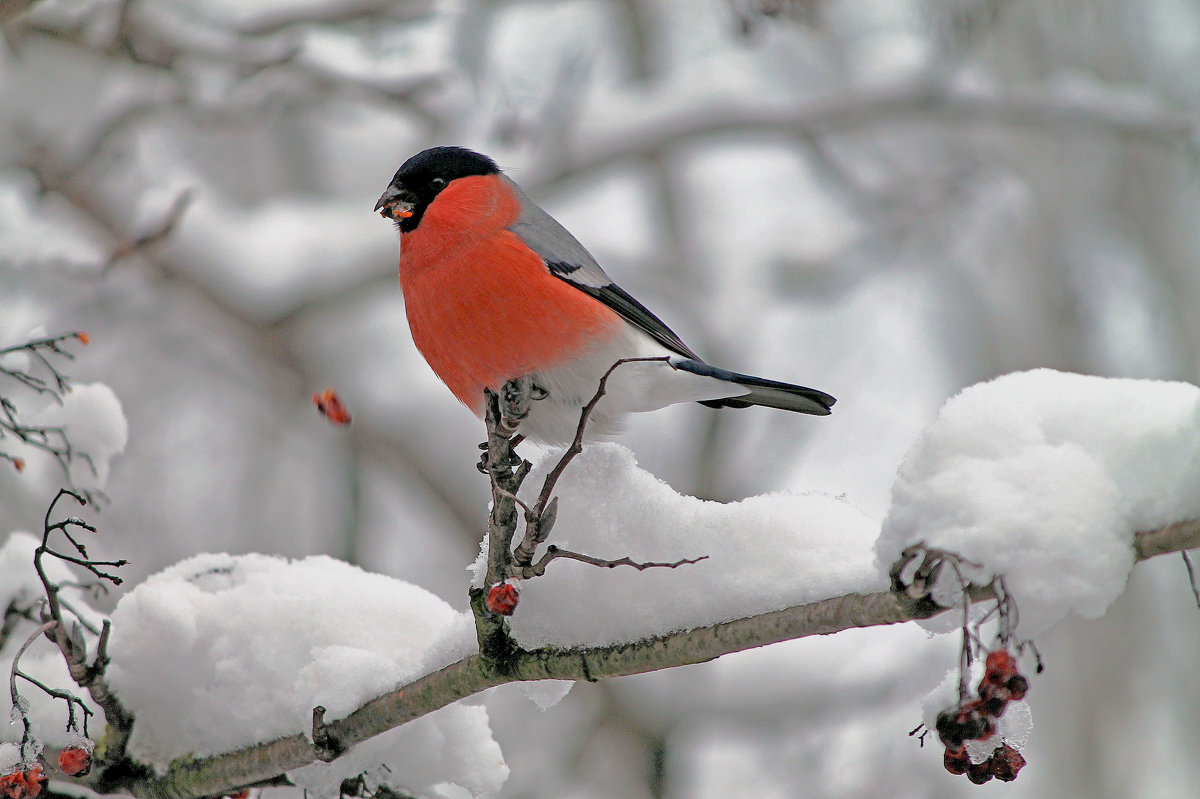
x=769, y=393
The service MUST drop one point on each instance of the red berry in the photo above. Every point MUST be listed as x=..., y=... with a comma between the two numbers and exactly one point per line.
x=1005, y=763
x=13, y=785
x=994, y=698
x=948, y=728
x=974, y=722
x=74, y=761
x=23, y=784
x=999, y=667
x=502, y=598
x=35, y=779
x=979, y=773
x=330, y=406
x=1017, y=686
x=956, y=760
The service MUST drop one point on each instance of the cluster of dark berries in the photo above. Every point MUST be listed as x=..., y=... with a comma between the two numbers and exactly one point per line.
x=975, y=720
x=1003, y=764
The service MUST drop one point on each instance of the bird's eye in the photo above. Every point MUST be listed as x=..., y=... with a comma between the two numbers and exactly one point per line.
x=437, y=184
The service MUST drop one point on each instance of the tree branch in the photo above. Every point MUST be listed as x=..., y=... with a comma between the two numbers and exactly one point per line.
x=266, y=761
x=666, y=125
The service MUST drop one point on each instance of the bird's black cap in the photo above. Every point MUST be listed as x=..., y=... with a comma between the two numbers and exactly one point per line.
x=446, y=162
x=421, y=177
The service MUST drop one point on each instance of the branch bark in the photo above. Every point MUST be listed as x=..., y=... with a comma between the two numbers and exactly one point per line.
x=266, y=761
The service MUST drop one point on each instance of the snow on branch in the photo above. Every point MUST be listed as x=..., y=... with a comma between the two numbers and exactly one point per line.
x=1090, y=110
x=475, y=673
x=1028, y=486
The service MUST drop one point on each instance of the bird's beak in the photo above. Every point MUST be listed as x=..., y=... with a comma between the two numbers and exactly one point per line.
x=396, y=203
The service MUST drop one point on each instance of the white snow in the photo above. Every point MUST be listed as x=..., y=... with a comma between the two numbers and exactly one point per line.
x=268, y=258
x=1043, y=477
x=1040, y=476
x=219, y=652
x=95, y=424
x=37, y=232
x=449, y=753
x=546, y=693
x=765, y=553
x=19, y=582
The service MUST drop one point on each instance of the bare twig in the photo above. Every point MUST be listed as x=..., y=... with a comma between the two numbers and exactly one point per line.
x=1187, y=562
x=89, y=676
x=51, y=439
x=37, y=349
x=539, y=523
x=66, y=696
x=19, y=704
x=553, y=552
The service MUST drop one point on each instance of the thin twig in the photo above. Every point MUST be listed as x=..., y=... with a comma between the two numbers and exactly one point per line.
x=536, y=528
x=17, y=702
x=73, y=647
x=553, y=552
x=1187, y=562
x=51, y=439
x=66, y=696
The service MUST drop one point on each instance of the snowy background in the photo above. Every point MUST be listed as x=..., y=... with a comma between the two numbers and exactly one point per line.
x=885, y=201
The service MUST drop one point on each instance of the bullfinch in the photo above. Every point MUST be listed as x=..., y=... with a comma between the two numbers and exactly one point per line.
x=495, y=288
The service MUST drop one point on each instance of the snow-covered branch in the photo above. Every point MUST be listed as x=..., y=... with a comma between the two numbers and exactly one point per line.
x=647, y=129
x=267, y=761
x=983, y=490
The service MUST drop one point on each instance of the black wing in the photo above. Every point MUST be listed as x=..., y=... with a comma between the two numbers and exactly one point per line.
x=630, y=309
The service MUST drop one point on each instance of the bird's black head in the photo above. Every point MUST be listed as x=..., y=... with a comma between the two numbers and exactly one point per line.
x=423, y=176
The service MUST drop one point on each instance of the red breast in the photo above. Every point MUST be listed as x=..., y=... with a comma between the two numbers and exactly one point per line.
x=481, y=305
